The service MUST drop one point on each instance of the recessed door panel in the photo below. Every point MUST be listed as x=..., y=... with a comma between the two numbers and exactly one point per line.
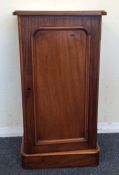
x=60, y=75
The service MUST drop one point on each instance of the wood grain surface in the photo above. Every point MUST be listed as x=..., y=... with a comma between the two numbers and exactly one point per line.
x=59, y=55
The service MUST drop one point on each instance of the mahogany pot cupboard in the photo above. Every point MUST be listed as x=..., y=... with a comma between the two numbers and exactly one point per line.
x=59, y=55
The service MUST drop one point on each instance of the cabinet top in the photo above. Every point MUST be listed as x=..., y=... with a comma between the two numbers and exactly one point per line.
x=59, y=13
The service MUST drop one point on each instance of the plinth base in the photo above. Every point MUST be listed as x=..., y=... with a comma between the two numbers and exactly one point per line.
x=78, y=158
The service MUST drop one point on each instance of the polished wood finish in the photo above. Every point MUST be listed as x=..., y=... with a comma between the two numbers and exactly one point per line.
x=78, y=158
x=60, y=13
x=59, y=54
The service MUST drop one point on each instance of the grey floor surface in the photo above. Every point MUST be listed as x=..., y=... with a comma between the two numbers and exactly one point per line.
x=109, y=159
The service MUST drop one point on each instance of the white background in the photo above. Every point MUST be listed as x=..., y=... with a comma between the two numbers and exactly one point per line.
x=10, y=83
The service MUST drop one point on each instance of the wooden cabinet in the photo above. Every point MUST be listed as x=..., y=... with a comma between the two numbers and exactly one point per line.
x=59, y=54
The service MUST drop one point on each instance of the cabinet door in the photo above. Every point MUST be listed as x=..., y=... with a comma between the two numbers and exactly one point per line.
x=56, y=77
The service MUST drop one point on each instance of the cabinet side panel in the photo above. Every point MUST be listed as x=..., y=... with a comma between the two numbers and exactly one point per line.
x=26, y=80
x=94, y=79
